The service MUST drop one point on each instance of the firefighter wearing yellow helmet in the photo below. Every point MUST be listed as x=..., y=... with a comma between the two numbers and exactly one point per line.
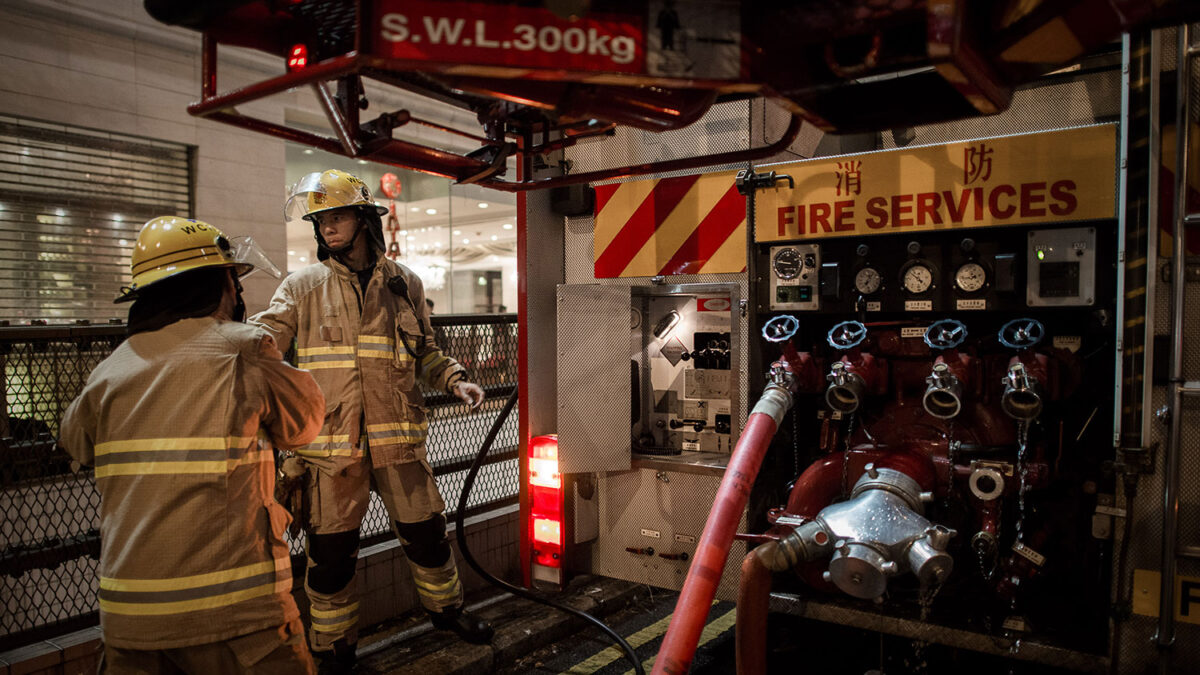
x=361, y=325
x=180, y=423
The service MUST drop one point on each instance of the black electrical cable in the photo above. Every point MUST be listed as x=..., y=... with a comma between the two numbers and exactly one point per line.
x=1122, y=610
x=461, y=537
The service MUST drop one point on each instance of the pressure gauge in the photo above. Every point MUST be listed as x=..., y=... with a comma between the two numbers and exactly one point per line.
x=868, y=280
x=917, y=279
x=970, y=277
x=788, y=263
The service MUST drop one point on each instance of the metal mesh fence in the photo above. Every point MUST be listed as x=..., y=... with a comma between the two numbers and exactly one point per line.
x=49, y=524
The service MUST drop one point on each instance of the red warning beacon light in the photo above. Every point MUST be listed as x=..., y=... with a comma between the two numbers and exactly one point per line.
x=297, y=57
x=546, y=509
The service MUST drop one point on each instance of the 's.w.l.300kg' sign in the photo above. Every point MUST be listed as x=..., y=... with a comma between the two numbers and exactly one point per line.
x=485, y=34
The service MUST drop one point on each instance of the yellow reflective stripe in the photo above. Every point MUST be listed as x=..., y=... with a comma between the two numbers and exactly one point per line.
x=161, y=468
x=440, y=595
x=321, y=365
x=181, y=606
x=340, y=452
x=392, y=426
x=376, y=354
x=409, y=432
x=194, y=581
x=335, y=627
x=107, y=452
x=255, y=456
x=152, y=444
x=438, y=588
x=432, y=358
x=409, y=438
x=333, y=613
x=331, y=438
x=317, y=351
x=334, y=445
x=375, y=340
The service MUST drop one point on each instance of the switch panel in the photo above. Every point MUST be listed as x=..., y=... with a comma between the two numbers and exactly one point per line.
x=1061, y=267
x=795, y=277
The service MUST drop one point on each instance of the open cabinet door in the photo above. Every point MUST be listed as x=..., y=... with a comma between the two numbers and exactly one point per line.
x=593, y=378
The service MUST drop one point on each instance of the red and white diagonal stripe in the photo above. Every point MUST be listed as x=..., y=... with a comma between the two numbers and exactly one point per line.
x=685, y=225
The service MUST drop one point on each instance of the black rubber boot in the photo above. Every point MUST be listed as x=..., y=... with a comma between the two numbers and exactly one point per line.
x=468, y=626
x=338, y=661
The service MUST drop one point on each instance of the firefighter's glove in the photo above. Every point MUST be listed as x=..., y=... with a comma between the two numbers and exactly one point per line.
x=469, y=392
x=290, y=492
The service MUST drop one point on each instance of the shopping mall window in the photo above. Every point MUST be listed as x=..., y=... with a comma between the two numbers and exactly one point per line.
x=460, y=239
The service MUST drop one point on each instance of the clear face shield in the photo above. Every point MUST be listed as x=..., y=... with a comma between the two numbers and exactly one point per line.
x=249, y=257
x=307, y=195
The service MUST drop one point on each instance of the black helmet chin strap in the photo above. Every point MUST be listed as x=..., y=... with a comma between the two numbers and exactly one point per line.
x=239, y=304
x=342, y=250
x=339, y=252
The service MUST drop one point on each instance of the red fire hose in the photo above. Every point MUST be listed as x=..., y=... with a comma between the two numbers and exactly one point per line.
x=695, y=600
x=754, y=595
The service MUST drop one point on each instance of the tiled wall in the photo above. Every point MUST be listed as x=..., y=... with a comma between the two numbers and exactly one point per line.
x=385, y=588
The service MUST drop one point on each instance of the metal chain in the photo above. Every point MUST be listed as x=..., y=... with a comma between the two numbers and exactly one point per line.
x=846, y=456
x=1023, y=472
x=795, y=444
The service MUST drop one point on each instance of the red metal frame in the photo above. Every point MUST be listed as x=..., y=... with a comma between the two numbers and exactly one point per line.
x=222, y=107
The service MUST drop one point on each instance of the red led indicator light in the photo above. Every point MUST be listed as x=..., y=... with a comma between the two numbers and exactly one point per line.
x=297, y=57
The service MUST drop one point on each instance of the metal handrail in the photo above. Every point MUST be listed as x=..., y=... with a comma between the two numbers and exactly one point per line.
x=1170, y=532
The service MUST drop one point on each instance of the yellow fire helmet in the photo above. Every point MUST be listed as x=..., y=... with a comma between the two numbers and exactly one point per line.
x=170, y=245
x=326, y=190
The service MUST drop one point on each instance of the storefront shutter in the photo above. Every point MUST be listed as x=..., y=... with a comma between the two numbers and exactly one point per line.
x=71, y=203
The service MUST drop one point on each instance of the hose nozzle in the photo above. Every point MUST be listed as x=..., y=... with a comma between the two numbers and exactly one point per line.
x=846, y=389
x=943, y=396
x=1022, y=399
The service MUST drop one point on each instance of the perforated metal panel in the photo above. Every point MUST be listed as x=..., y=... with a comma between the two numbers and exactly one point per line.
x=636, y=506
x=593, y=387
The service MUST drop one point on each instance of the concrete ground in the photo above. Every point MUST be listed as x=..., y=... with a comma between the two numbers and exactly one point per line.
x=534, y=638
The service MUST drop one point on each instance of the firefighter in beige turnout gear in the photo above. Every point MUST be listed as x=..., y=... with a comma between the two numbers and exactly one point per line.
x=180, y=423
x=362, y=328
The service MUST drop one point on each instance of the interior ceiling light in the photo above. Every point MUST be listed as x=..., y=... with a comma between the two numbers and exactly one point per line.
x=483, y=205
x=432, y=212
x=507, y=226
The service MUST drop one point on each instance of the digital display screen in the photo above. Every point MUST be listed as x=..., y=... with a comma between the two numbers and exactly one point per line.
x=1058, y=279
x=793, y=294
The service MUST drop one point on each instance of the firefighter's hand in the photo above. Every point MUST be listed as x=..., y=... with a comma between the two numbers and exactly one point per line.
x=470, y=393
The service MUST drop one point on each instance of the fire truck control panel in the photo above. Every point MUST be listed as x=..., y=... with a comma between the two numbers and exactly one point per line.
x=684, y=359
x=956, y=434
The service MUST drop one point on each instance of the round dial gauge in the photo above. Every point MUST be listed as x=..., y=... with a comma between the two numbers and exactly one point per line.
x=787, y=263
x=970, y=277
x=917, y=279
x=868, y=280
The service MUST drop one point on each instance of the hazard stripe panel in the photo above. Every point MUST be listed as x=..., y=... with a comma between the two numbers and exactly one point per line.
x=669, y=226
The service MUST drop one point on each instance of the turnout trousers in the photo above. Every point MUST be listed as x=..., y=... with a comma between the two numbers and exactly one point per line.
x=338, y=494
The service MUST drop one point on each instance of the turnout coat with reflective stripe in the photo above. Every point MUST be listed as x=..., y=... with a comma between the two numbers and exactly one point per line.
x=179, y=424
x=366, y=350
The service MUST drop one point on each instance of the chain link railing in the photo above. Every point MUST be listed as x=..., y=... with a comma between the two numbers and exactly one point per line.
x=49, y=522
